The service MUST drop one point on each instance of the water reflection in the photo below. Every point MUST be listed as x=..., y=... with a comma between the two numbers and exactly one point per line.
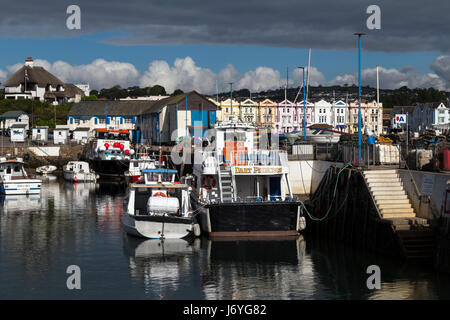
x=254, y=269
x=160, y=264
x=80, y=224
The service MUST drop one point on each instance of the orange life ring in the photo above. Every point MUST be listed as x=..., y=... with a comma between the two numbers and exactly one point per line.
x=208, y=185
x=159, y=194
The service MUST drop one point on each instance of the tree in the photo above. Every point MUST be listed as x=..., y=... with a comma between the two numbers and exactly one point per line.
x=89, y=98
x=177, y=92
x=157, y=90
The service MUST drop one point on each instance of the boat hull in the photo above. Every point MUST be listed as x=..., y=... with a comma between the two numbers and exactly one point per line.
x=79, y=177
x=20, y=187
x=109, y=169
x=158, y=227
x=256, y=219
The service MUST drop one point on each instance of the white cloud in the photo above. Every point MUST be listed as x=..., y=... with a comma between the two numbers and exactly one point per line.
x=99, y=73
x=3, y=76
x=184, y=75
x=441, y=65
x=315, y=77
x=392, y=79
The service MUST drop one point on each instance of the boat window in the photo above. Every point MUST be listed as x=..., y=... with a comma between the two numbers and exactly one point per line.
x=16, y=169
x=8, y=170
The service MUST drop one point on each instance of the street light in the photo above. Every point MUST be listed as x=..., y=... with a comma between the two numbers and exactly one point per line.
x=304, y=104
x=359, y=34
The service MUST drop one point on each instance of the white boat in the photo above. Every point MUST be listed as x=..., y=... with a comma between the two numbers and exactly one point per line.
x=15, y=180
x=78, y=171
x=241, y=187
x=134, y=172
x=45, y=169
x=322, y=134
x=159, y=208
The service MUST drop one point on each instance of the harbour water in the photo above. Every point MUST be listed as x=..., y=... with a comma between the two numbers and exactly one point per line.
x=80, y=225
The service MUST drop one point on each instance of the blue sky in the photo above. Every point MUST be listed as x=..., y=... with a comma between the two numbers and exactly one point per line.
x=85, y=49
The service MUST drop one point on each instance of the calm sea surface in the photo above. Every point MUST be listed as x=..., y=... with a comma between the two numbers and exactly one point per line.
x=80, y=225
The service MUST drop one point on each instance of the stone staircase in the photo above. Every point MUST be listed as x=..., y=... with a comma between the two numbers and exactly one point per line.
x=415, y=234
x=391, y=199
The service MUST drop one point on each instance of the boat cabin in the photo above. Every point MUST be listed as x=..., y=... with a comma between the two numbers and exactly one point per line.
x=77, y=166
x=12, y=168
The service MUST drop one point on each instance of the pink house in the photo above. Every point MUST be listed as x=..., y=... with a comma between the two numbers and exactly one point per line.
x=299, y=113
x=286, y=111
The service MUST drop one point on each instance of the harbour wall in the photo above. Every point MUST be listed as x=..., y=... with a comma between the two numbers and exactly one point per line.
x=305, y=175
x=427, y=197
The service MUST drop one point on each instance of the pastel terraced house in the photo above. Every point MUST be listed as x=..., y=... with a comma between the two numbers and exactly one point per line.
x=249, y=111
x=299, y=114
x=323, y=112
x=226, y=106
x=373, y=117
x=286, y=110
x=340, y=116
x=267, y=113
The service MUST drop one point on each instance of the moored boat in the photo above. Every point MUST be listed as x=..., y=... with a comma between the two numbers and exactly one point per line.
x=134, y=172
x=241, y=188
x=45, y=169
x=79, y=171
x=109, y=153
x=14, y=180
x=159, y=208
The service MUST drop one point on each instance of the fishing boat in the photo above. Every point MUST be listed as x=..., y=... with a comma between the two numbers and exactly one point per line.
x=322, y=133
x=14, y=180
x=242, y=189
x=109, y=153
x=79, y=171
x=159, y=208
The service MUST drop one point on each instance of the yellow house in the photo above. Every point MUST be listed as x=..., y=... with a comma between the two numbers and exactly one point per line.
x=267, y=113
x=226, y=107
x=249, y=111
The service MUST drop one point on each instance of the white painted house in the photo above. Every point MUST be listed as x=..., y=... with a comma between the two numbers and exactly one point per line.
x=36, y=83
x=431, y=116
x=39, y=134
x=323, y=112
x=18, y=132
x=61, y=134
x=81, y=134
x=9, y=118
x=340, y=115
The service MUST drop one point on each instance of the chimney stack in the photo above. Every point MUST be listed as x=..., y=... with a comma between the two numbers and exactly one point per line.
x=29, y=62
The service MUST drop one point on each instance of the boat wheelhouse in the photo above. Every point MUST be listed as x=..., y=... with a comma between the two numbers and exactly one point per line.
x=160, y=207
x=241, y=185
x=14, y=180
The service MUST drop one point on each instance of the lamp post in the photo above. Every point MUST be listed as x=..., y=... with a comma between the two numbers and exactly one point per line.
x=304, y=104
x=359, y=34
x=231, y=100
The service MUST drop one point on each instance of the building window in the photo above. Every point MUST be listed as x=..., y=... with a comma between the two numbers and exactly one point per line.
x=128, y=120
x=101, y=120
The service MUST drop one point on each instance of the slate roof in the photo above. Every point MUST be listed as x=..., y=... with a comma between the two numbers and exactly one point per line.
x=113, y=107
x=131, y=107
x=13, y=114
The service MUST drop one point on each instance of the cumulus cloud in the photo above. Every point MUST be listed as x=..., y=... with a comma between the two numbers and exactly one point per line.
x=392, y=79
x=3, y=76
x=184, y=74
x=441, y=65
x=99, y=73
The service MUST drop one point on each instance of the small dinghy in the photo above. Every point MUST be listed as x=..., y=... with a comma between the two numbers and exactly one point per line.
x=159, y=208
x=45, y=169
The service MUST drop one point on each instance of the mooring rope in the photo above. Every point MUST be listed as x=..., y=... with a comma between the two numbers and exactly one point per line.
x=334, y=196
